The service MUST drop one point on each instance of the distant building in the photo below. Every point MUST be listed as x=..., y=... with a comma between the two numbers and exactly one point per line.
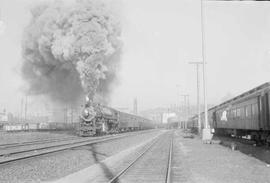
x=156, y=117
x=3, y=116
x=168, y=115
x=155, y=114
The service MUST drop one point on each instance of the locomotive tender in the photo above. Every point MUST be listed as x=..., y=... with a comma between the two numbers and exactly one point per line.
x=97, y=119
x=245, y=115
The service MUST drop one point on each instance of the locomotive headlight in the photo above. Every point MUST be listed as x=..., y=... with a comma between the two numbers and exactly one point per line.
x=85, y=112
x=87, y=99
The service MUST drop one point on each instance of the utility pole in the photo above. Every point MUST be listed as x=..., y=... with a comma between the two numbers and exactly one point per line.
x=66, y=114
x=21, y=116
x=206, y=131
x=71, y=115
x=178, y=91
x=186, y=104
x=25, y=111
x=197, y=64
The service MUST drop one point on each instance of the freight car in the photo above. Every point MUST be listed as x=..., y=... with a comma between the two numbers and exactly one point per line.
x=43, y=126
x=245, y=115
x=97, y=119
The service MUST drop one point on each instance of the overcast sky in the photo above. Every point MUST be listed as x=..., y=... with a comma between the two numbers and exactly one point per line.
x=160, y=38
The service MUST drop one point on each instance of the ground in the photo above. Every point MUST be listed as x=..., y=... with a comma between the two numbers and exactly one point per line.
x=215, y=163
x=17, y=137
x=193, y=162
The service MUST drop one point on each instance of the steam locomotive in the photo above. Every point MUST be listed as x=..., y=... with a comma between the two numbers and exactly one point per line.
x=245, y=115
x=97, y=119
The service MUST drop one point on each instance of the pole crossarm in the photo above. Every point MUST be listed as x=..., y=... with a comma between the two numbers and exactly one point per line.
x=195, y=62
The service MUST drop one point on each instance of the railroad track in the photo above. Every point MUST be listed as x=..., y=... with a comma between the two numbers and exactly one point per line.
x=40, y=146
x=16, y=154
x=152, y=165
x=34, y=142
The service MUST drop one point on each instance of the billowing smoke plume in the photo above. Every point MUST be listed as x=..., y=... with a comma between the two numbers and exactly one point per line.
x=70, y=50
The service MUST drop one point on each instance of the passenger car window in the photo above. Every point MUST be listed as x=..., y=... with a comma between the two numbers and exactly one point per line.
x=248, y=111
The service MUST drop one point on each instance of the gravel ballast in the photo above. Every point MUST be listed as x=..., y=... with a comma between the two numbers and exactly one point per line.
x=17, y=137
x=57, y=165
x=109, y=167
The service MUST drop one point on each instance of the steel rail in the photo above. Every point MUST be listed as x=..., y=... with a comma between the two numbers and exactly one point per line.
x=34, y=142
x=50, y=149
x=168, y=173
x=7, y=152
x=115, y=178
x=18, y=151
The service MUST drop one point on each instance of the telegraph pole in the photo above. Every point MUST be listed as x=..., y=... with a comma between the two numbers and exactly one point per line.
x=25, y=112
x=197, y=64
x=21, y=116
x=186, y=104
x=178, y=91
x=71, y=117
x=206, y=131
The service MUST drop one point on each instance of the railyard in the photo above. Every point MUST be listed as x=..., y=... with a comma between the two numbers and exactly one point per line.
x=103, y=91
x=159, y=155
x=54, y=165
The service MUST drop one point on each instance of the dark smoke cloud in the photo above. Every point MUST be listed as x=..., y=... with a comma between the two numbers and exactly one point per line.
x=71, y=50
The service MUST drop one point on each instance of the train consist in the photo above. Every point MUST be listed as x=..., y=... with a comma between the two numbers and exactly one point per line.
x=97, y=119
x=244, y=115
